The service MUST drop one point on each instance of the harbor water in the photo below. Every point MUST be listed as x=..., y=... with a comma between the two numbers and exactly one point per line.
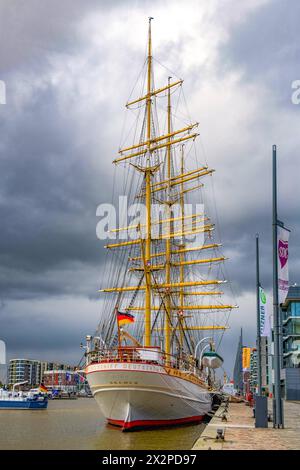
x=77, y=424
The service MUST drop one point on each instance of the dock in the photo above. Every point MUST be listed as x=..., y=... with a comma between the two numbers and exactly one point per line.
x=239, y=430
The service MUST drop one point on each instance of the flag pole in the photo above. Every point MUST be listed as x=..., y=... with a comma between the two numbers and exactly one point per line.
x=119, y=332
x=277, y=400
x=258, y=334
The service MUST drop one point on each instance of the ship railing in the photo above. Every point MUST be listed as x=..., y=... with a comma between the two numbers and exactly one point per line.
x=144, y=356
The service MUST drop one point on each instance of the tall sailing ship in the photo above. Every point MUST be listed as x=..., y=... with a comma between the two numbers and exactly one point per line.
x=153, y=357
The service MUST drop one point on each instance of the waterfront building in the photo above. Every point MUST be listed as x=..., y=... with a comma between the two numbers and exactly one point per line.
x=57, y=366
x=246, y=358
x=33, y=371
x=246, y=382
x=242, y=378
x=291, y=328
x=44, y=366
x=290, y=316
x=24, y=370
x=253, y=371
x=253, y=379
x=61, y=380
x=238, y=366
x=264, y=360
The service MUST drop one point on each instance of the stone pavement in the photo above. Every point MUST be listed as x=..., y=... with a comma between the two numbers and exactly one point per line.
x=241, y=434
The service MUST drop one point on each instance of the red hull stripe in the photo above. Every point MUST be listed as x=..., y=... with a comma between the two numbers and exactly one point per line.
x=140, y=423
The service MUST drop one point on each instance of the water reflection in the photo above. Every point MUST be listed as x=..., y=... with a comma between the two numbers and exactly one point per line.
x=77, y=424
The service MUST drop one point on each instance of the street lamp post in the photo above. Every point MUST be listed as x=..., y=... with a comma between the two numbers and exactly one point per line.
x=277, y=401
x=258, y=334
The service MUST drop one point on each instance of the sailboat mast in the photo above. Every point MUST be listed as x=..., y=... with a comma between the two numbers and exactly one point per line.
x=168, y=240
x=147, y=340
x=182, y=257
x=145, y=148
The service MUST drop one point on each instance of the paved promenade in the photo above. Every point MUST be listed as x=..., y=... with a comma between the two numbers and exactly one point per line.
x=241, y=434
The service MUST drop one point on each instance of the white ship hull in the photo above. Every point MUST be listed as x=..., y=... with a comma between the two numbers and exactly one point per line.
x=133, y=395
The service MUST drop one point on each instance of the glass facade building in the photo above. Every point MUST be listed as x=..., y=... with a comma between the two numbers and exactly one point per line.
x=24, y=370
x=290, y=317
x=238, y=366
x=253, y=371
x=290, y=314
x=32, y=371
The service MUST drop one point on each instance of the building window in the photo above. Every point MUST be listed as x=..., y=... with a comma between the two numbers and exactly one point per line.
x=295, y=309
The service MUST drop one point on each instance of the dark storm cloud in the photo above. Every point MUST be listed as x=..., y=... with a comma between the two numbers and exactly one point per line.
x=265, y=47
x=239, y=245
x=49, y=186
x=31, y=30
x=54, y=169
x=49, y=330
x=48, y=192
x=60, y=129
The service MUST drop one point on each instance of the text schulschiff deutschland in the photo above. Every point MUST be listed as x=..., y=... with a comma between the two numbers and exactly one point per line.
x=149, y=459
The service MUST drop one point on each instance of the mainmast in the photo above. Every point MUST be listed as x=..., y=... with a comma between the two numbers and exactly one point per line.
x=147, y=264
x=168, y=240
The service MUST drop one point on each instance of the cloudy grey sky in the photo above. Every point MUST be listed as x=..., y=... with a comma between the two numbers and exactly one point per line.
x=69, y=67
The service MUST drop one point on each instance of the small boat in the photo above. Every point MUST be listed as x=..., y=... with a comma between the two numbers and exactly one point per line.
x=212, y=360
x=13, y=400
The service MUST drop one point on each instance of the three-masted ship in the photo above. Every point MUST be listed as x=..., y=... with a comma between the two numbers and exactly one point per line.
x=144, y=365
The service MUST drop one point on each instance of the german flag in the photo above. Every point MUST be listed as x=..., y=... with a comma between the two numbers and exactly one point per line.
x=124, y=318
x=43, y=389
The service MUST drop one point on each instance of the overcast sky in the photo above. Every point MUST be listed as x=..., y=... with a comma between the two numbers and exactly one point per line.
x=69, y=67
